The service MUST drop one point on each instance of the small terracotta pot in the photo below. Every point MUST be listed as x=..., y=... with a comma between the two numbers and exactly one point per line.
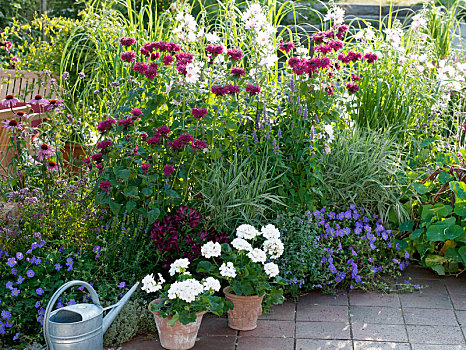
x=178, y=336
x=246, y=310
x=73, y=155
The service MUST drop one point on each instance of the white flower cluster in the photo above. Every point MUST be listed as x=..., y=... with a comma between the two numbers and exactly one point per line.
x=193, y=72
x=255, y=20
x=187, y=29
x=246, y=232
x=186, y=290
x=228, y=270
x=179, y=266
x=211, y=284
x=211, y=249
x=257, y=255
x=274, y=247
x=393, y=35
x=451, y=77
x=367, y=34
x=418, y=21
x=336, y=14
x=241, y=244
x=150, y=285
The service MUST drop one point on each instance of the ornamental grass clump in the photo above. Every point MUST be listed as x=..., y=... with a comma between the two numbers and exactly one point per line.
x=361, y=253
x=250, y=267
x=187, y=296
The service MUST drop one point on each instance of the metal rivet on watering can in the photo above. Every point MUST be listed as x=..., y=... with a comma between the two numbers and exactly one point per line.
x=79, y=326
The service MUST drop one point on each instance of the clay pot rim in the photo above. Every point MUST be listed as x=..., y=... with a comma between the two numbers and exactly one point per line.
x=158, y=300
x=241, y=297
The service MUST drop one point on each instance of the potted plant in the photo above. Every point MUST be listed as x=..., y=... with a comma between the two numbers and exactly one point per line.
x=180, y=305
x=249, y=271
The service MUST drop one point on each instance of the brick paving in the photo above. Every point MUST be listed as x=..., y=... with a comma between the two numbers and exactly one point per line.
x=432, y=320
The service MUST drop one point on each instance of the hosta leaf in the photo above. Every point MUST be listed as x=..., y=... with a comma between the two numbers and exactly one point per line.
x=420, y=188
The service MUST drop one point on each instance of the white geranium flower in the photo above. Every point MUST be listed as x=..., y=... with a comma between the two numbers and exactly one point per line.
x=241, y=244
x=211, y=284
x=270, y=232
x=179, y=266
x=257, y=255
x=150, y=285
x=271, y=269
x=211, y=249
x=186, y=290
x=228, y=270
x=212, y=37
x=246, y=231
x=274, y=247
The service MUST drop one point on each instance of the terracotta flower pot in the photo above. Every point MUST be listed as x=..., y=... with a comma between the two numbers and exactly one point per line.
x=73, y=155
x=178, y=336
x=246, y=310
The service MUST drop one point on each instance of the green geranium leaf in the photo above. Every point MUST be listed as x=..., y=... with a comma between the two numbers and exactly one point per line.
x=420, y=188
x=462, y=253
x=459, y=189
x=407, y=226
x=444, y=177
x=122, y=173
x=152, y=215
x=205, y=266
x=115, y=207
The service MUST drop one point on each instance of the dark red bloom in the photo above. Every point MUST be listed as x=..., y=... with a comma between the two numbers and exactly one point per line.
x=126, y=122
x=127, y=41
x=352, y=88
x=153, y=140
x=154, y=55
x=104, y=145
x=140, y=67
x=199, y=145
x=214, y=49
x=176, y=144
x=105, y=125
x=219, y=90
x=163, y=131
x=237, y=71
x=336, y=45
x=292, y=61
x=323, y=49
x=370, y=57
x=145, y=167
x=355, y=77
x=167, y=60
x=232, y=89
x=136, y=112
x=186, y=138
x=151, y=72
x=128, y=56
x=286, y=46
x=235, y=54
x=184, y=57
x=199, y=112
x=97, y=157
x=253, y=89
x=105, y=186
x=168, y=170
x=330, y=90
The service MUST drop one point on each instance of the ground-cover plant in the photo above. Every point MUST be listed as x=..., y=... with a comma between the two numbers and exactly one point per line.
x=437, y=237
x=182, y=299
x=249, y=267
x=301, y=263
x=363, y=169
x=361, y=253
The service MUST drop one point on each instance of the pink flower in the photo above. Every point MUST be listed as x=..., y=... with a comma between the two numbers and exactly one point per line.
x=336, y=45
x=151, y=72
x=153, y=140
x=232, y=89
x=235, y=54
x=176, y=144
x=199, y=112
x=286, y=46
x=168, y=170
x=129, y=56
x=45, y=151
x=125, y=122
x=199, y=145
x=355, y=77
x=145, y=167
x=155, y=55
x=218, y=90
x=253, y=89
x=163, y=131
x=21, y=115
x=370, y=57
x=184, y=58
x=352, y=88
x=52, y=104
x=97, y=157
x=237, y=71
x=12, y=124
x=105, y=186
x=105, y=125
x=186, y=138
x=330, y=90
x=10, y=101
x=323, y=49
x=167, y=60
x=136, y=112
x=140, y=67
x=38, y=100
x=127, y=41
x=52, y=166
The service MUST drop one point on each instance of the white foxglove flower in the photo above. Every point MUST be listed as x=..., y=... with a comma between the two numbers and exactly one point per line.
x=228, y=270
x=241, y=244
x=257, y=255
x=211, y=249
x=271, y=269
x=246, y=231
x=211, y=284
x=270, y=232
x=179, y=266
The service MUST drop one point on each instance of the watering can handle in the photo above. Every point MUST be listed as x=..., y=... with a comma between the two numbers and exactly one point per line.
x=53, y=300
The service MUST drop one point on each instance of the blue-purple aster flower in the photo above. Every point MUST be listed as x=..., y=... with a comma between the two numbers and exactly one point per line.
x=15, y=292
x=39, y=291
x=30, y=273
x=11, y=262
x=122, y=285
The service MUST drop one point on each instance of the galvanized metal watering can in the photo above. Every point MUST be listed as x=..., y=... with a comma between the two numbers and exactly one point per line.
x=79, y=326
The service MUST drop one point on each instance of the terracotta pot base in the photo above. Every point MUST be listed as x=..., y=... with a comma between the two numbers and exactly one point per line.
x=246, y=310
x=178, y=337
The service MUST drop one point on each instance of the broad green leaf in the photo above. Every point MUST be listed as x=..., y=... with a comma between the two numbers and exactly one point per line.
x=130, y=206
x=420, y=188
x=453, y=255
x=122, y=173
x=434, y=259
x=416, y=233
x=152, y=215
x=461, y=238
x=454, y=232
x=407, y=226
x=462, y=253
x=439, y=269
x=460, y=209
x=441, y=210
x=147, y=191
x=427, y=142
x=437, y=231
x=131, y=191
x=459, y=189
x=172, y=193
x=115, y=207
x=205, y=266
x=444, y=177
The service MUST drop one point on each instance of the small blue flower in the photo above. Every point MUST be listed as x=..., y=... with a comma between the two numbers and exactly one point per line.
x=11, y=262
x=20, y=280
x=58, y=267
x=15, y=292
x=16, y=336
x=9, y=285
x=19, y=256
x=30, y=273
x=38, y=261
x=6, y=315
x=122, y=285
x=39, y=291
x=37, y=304
x=406, y=254
x=14, y=272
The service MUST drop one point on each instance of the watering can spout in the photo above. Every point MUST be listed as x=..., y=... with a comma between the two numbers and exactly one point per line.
x=117, y=308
